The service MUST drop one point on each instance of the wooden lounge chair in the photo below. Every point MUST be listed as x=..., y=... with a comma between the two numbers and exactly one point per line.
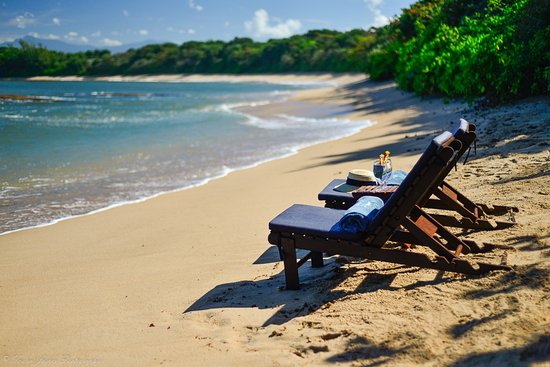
x=400, y=220
x=441, y=196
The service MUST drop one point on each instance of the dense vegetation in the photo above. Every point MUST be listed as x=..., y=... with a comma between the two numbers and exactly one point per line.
x=469, y=48
x=499, y=49
x=322, y=50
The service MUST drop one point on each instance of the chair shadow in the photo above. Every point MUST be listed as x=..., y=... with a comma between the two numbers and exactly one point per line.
x=271, y=255
x=318, y=287
x=269, y=294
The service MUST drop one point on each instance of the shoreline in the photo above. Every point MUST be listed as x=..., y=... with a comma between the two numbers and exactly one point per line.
x=189, y=276
x=202, y=183
x=265, y=111
x=332, y=79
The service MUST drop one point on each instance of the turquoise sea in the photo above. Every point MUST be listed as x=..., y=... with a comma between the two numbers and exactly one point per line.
x=86, y=146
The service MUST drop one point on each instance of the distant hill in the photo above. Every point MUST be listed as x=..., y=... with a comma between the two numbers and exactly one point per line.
x=56, y=45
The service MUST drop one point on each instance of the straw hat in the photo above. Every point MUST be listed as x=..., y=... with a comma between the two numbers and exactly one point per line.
x=357, y=178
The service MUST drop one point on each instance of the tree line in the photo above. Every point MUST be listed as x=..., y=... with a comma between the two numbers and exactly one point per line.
x=319, y=50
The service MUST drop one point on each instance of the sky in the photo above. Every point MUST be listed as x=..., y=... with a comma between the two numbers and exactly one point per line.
x=116, y=22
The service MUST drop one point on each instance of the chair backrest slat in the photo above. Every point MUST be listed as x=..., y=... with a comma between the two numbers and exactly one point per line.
x=463, y=132
x=427, y=170
x=464, y=136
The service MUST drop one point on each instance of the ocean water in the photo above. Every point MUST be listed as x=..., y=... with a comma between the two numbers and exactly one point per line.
x=86, y=146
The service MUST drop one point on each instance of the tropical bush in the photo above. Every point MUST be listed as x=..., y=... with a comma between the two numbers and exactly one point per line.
x=499, y=49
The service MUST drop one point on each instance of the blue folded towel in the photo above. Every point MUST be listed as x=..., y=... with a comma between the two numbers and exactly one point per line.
x=357, y=218
x=394, y=178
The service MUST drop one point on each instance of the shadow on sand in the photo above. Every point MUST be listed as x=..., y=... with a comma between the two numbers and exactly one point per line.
x=532, y=276
x=536, y=351
x=318, y=287
x=362, y=349
x=268, y=293
x=380, y=98
x=321, y=286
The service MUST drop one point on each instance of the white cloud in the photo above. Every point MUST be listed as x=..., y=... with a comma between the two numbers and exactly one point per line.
x=50, y=36
x=195, y=6
x=259, y=26
x=72, y=36
x=56, y=21
x=125, y=13
x=75, y=37
x=22, y=21
x=143, y=32
x=374, y=3
x=111, y=42
x=181, y=30
x=96, y=34
x=379, y=18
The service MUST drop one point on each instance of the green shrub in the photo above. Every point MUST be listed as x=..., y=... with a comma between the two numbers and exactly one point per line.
x=381, y=63
x=462, y=48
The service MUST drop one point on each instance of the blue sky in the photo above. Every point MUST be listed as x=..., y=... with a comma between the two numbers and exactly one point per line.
x=112, y=22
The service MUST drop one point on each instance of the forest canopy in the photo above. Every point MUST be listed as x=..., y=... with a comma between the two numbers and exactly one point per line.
x=499, y=49
x=319, y=50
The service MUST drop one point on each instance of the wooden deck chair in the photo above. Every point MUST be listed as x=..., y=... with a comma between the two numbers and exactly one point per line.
x=441, y=196
x=400, y=219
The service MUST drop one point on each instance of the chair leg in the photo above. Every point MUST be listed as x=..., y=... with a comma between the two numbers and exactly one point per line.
x=316, y=259
x=480, y=210
x=467, y=223
x=454, y=201
x=410, y=258
x=291, y=266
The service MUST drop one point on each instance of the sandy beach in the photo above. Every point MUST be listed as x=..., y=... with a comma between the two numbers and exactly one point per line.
x=332, y=79
x=188, y=278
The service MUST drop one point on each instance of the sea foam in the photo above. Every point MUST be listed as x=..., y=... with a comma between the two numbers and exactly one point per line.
x=111, y=144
